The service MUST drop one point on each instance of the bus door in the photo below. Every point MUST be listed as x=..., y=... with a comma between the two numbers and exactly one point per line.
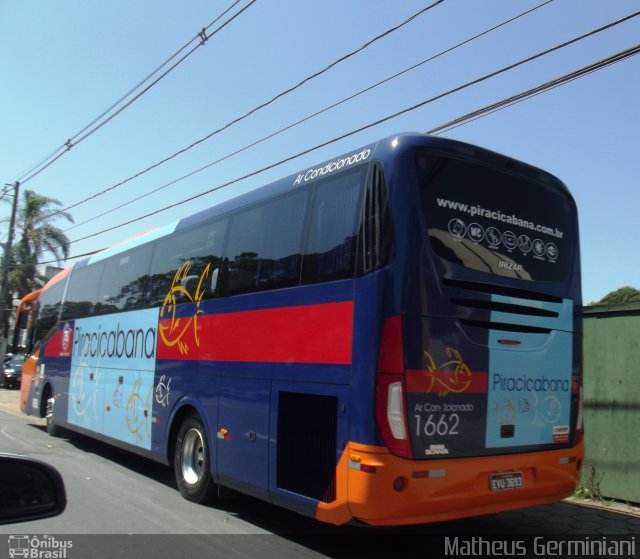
x=243, y=435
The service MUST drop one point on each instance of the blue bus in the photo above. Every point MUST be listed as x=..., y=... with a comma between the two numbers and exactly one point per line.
x=390, y=337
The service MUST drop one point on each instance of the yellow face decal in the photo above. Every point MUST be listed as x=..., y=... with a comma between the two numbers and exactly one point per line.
x=174, y=332
x=452, y=376
x=138, y=412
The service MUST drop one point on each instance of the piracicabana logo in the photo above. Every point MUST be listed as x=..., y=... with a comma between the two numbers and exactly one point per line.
x=38, y=547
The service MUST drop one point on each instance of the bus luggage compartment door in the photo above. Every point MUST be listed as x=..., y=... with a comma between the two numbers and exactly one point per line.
x=243, y=435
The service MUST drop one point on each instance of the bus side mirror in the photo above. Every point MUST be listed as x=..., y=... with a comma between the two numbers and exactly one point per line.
x=29, y=490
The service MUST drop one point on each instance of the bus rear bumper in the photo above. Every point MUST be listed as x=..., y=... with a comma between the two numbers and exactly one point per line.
x=385, y=490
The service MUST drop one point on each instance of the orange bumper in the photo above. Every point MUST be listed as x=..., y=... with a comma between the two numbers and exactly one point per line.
x=377, y=488
x=28, y=377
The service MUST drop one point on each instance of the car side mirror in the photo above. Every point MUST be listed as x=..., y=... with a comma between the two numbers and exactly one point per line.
x=29, y=490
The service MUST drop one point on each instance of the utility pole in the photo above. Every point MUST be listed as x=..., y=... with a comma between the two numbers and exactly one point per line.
x=4, y=289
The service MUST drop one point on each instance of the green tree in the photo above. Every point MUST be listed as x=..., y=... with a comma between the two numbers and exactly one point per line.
x=36, y=235
x=622, y=295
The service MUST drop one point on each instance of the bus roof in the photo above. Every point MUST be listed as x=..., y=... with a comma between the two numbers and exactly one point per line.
x=379, y=150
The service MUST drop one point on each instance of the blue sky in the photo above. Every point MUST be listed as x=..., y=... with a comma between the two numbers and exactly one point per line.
x=63, y=63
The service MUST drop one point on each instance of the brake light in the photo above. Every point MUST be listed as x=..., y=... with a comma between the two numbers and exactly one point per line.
x=395, y=411
x=391, y=358
x=391, y=416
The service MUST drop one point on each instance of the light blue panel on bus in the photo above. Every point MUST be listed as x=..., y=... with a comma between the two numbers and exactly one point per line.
x=128, y=405
x=112, y=375
x=86, y=397
x=116, y=341
x=529, y=388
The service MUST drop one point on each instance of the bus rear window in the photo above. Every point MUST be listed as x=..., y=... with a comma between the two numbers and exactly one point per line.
x=496, y=221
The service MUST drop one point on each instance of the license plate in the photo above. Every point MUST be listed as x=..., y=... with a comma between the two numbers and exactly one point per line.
x=506, y=481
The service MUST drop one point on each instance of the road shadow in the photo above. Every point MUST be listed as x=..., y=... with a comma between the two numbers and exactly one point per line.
x=129, y=460
x=559, y=520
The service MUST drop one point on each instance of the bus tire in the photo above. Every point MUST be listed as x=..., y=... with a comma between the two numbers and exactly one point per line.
x=191, y=461
x=52, y=427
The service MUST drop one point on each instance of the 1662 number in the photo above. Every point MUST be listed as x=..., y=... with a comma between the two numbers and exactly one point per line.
x=441, y=425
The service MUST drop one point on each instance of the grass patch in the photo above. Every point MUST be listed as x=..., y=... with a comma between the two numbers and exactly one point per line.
x=589, y=487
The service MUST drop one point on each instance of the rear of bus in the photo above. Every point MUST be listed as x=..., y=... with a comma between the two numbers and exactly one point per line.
x=478, y=388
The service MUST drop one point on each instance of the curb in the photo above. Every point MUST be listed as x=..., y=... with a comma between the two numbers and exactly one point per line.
x=610, y=505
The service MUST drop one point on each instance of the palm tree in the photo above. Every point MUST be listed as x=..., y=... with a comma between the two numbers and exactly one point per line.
x=36, y=236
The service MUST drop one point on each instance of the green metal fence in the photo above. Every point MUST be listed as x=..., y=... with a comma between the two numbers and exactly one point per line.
x=612, y=401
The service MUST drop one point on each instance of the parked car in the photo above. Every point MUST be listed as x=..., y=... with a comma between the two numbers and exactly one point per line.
x=12, y=372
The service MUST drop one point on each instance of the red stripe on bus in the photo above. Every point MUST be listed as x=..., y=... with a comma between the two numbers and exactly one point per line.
x=446, y=382
x=61, y=343
x=305, y=334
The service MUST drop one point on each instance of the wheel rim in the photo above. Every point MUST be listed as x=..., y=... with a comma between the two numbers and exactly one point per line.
x=49, y=409
x=192, y=456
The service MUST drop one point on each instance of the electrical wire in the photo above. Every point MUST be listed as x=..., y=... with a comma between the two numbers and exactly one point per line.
x=562, y=80
x=534, y=92
x=557, y=47
x=457, y=122
x=618, y=57
x=13, y=267
x=199, y=36
x=309, y=117
x=259, y=107
x=98, y=122
x=204, y=38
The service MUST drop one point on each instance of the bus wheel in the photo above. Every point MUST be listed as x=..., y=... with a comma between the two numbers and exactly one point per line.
x=191, y=461
x=52, y=427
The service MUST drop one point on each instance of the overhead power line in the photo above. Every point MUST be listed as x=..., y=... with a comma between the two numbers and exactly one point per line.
x=618, y=57
x=56, y=262
x=385, y=80
x=533, y=92
x=311, y=116
x=519, y=63
x=261, y=106
x=120, y=105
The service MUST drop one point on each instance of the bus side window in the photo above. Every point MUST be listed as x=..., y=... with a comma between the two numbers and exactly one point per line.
x=264, y=245
x=124, y=283
x=375, y=235
x=331, y=240
x=82, y=294
x=186, y=265
x=48, y=310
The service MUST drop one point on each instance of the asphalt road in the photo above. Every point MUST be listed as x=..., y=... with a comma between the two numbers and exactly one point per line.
x=120, y=504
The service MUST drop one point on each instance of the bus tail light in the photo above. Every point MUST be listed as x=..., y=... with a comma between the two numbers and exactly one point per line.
x=395, y=411
x=391, y=415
